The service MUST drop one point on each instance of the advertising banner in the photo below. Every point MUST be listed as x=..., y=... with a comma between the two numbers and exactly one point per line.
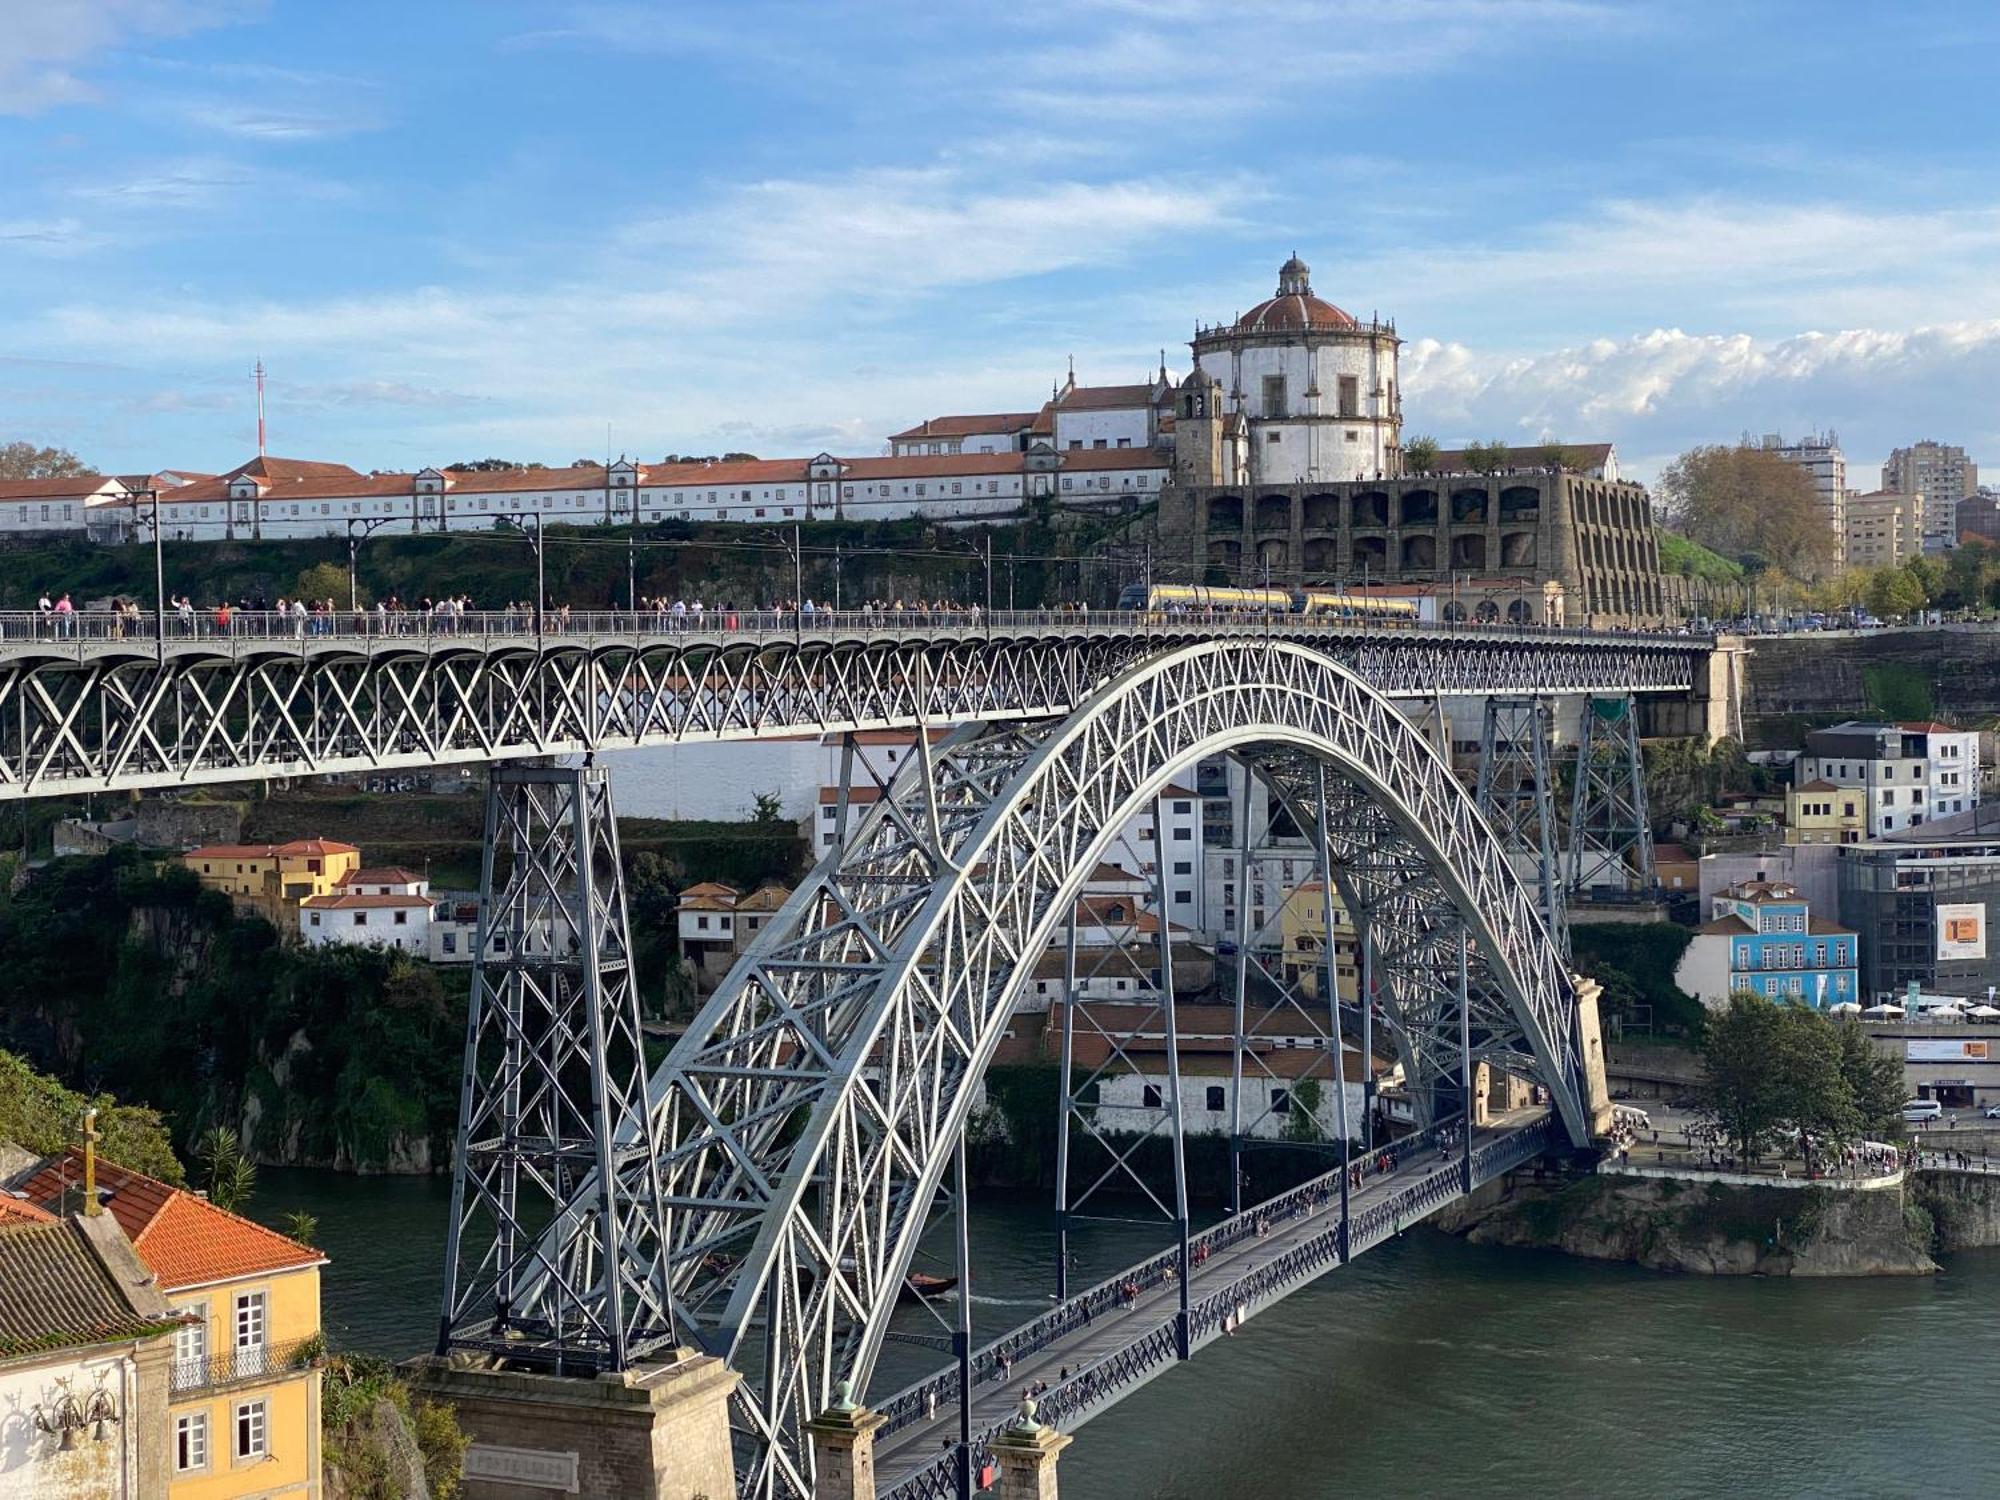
x=1949, y=1049
x=1961, y=930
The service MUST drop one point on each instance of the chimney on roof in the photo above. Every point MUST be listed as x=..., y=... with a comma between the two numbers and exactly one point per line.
x=91, y=1207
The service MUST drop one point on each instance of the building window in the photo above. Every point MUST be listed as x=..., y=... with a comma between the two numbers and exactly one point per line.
x=191, y=1442
x=402, y=919
x=1274, y=396
x=1281, y=1101
x=313, y=919
x=450, y=944
x=1350, y=396
x=1212, y=1096
x=252, y=1437
x=190, y=1351
x=1150, y=1096
x=361, y=919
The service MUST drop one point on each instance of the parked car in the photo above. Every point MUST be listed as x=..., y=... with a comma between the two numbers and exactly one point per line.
x=1993, y=1111
x=1921, y=1111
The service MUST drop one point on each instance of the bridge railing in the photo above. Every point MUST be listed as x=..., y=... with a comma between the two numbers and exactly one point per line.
x=67, y=628
x=914, y=1402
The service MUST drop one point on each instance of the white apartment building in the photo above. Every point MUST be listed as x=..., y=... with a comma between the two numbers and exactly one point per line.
x=1075, y=418
x=366, y=921
x=59, y=507
x=1942, y=476
x=385, y=907
x=1820, y=456
x=277, y=497
x=1911, y=773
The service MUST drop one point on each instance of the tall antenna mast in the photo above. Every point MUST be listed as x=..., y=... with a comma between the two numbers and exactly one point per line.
x=259, y=373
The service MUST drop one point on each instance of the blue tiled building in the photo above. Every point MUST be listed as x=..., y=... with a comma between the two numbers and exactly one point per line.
x=1762, y=936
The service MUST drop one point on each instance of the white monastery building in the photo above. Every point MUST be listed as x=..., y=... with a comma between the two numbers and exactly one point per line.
x=387, y=908
x=1308, y=390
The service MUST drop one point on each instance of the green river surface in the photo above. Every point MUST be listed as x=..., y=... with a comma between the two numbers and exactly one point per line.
x=1428, y=1368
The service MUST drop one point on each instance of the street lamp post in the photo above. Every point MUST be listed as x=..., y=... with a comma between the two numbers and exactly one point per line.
x=152, y=492
x=354, y=536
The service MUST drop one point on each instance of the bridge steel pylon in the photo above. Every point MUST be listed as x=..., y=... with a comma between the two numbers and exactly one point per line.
x=554, y=1254
x=1610, y=834
x=1516, y=790
x=810, y=1115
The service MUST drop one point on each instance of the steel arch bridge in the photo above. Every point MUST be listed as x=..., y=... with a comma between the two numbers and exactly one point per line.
x=809, y=1115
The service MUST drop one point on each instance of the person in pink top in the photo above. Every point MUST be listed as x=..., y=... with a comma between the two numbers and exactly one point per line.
x=65, y=616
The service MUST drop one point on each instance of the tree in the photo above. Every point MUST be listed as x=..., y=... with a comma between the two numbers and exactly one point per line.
x=1817, y=1103
x=1499, y=455
x=490, y=466
x=229, y=1175
x=327, y=580
x=40, y=1115
x=1740, y=1090
x=768, y=807
x=302, y=1226
x=1420, y=454
x=1479, y=458
x=1874, y=1080
x=1895, y=591
x=1749, y=503
x=26, y=461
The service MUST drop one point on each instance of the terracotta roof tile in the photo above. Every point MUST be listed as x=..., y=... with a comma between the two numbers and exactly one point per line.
x=362, y=901
x=57, y=1292
x=383, y=875
x=184, y=1240
x=966, y=424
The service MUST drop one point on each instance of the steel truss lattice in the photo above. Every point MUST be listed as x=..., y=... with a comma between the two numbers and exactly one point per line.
x=107, y=716
x=557, y=1218
x=809, y=1114
x=1610, y=835
x=1516, y=791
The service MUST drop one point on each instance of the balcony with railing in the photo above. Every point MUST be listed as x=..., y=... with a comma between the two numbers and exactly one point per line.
x=247, y=1365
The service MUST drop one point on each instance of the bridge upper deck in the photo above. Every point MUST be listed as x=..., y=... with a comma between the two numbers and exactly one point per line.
x=102, y=636
x=92, y=702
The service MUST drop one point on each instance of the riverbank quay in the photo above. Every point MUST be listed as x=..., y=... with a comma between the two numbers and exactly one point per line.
x=1672, y=1216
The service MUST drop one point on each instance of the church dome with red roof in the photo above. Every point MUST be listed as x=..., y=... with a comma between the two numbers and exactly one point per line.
x=1294, y=307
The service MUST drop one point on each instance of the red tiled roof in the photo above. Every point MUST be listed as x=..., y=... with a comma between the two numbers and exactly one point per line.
x=184, y=1240
x=1114, y=458
x=711, y=888
x=1818, y=784
x=297, y=848
x=70, y=487
x=931, y=465
x=19, y=1210
x=1930, y=726
x=291, y=469
x=966, y=424
x=386, y=875
x=1733, y=925
x=829, y=796
x=361, y=901
x=1292, y=311
x=1105, y=397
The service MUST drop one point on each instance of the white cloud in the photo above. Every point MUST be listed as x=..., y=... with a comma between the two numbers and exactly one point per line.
x=62, y=236
x=1659, y=392
x=47, y=47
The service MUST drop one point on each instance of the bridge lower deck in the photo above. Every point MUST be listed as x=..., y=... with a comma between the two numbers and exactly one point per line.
x=1097, y=1348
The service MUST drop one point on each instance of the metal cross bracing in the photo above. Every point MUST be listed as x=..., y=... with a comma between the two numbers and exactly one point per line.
x=1610, y=833
x=553, y=1257
x=1517, y=793
x=808, y=1115
x=81, y=715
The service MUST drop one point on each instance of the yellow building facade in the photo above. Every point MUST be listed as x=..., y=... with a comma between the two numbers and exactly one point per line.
x=243, y=1419
x=1821, y=813
x=270, y=880
x=1302, y=931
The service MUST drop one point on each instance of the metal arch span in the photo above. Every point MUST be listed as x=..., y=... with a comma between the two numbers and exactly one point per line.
x=811, y=1109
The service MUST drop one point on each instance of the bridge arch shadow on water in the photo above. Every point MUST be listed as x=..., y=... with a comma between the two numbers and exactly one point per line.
x=810, y=1116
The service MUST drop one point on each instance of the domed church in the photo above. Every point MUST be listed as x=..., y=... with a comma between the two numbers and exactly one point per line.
x=1294, y=391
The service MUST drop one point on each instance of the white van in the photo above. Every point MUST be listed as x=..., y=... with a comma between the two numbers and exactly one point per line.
x=1632, y=1115
x=1921, y=1111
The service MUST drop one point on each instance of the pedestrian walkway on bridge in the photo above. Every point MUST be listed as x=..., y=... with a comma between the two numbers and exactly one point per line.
x=1102, y=1344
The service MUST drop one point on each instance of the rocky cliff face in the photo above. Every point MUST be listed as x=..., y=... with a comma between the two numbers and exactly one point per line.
x=1820, y=678
x=1965, y=1207
x=1710, y=1229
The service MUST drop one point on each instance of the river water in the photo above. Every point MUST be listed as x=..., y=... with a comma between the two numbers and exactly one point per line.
x=1429, y=1367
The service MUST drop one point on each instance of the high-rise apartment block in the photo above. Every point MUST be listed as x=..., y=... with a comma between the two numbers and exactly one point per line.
x=1884, y=529
x=1820, y=456
x=1944, y=476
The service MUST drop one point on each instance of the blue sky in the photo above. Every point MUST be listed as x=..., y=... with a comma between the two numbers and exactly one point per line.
x=454, y=230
